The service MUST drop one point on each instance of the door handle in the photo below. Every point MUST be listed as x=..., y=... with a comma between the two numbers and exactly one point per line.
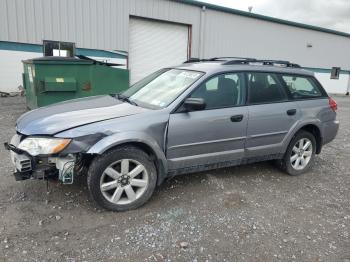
x=236, y=118
x=291, y=112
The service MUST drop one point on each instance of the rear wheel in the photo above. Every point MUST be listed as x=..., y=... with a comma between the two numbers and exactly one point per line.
x=122, y=179
x=300, y=154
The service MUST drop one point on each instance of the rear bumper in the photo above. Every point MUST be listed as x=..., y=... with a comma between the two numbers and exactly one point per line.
x=330, y=130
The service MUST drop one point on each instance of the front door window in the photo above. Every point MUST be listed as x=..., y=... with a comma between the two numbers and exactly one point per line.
x=222, y=91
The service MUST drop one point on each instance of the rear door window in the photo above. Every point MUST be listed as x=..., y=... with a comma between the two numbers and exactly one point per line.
x=302, y=86
x=265, y=88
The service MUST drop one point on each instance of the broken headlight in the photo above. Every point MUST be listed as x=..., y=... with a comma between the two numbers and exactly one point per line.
x=43, y=145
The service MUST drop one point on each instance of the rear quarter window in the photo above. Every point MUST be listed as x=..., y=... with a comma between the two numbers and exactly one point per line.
x=302, y=87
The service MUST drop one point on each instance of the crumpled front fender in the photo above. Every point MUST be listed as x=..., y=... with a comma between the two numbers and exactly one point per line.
x=132, y=137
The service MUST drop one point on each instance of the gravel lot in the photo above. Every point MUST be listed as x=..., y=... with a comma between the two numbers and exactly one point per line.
x=246, y=213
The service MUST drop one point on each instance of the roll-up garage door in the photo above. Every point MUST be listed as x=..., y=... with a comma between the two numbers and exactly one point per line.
x=154, y=45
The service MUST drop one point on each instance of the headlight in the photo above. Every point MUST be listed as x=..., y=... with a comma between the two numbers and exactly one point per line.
x=43, y=146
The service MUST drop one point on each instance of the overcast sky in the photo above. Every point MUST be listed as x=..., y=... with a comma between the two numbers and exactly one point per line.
x=332, y=14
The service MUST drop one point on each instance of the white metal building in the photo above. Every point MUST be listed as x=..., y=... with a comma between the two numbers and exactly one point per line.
x=159, y=33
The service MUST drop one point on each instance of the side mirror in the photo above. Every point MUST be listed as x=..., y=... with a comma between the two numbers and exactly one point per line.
x=194, y=104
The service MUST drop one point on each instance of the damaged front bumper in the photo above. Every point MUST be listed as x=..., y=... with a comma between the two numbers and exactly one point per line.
x=40, y=167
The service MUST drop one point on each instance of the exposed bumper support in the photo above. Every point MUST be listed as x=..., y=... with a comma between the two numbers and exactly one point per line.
x=65, y=167
x=41, y=167
x=20, y=176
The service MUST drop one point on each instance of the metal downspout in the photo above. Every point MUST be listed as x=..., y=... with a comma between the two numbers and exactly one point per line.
x=348, y=89
x=202, y=32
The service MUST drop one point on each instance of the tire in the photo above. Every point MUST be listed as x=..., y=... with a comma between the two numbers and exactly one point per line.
x=289, y=161
x=122, y=179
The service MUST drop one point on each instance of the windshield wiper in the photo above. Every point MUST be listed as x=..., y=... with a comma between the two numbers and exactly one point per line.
x=125, y=99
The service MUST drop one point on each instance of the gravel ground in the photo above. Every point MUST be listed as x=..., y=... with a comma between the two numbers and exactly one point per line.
x=247, y=213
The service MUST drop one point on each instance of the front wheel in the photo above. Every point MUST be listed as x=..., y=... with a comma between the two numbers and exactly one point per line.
x=300, y=154
x=122, y=179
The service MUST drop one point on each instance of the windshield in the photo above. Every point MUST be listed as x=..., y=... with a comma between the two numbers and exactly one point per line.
x=162, y=87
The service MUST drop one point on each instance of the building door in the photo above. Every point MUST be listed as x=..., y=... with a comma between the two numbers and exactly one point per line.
x=154, y=45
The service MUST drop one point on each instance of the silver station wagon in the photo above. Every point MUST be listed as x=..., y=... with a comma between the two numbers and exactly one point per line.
x=201, y=115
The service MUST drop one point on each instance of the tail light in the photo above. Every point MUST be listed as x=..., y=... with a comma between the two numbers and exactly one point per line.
x=332, y=104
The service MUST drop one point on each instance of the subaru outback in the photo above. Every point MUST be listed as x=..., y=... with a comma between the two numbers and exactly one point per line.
x=201, y=115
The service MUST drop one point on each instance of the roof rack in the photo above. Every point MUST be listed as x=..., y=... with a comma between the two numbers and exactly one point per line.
x=223, y=58
x=230, y=58
x=245, y=61
x=281, y=63
x=193, y=60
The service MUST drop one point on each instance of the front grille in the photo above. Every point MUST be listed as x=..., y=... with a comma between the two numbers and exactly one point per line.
x=22, y=162
x=25, y=165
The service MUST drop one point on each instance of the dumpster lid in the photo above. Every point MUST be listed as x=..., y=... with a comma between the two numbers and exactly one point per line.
x=57, y=60
x=79, y=59
x=98, y=62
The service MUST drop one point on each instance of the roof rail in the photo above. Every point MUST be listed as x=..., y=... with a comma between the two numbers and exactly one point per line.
x=263, y=62
x=223, y=58
x=232, y=60
x=192, y=60
x=229, y=58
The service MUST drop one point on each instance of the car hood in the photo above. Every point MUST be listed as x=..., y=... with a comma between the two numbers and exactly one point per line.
x=66, y=115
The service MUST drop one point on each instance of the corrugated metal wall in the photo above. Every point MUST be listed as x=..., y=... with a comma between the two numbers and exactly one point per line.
x=250, y=37
x=104, y=24
x=99, y=24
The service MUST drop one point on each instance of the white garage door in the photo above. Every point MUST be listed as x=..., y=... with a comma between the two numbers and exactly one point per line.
x=154, y=45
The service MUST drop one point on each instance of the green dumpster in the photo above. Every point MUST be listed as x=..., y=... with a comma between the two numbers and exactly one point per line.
x=49, y=80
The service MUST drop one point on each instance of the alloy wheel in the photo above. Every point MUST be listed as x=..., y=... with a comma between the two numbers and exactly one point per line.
x=124, y=181
x=301, y=154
